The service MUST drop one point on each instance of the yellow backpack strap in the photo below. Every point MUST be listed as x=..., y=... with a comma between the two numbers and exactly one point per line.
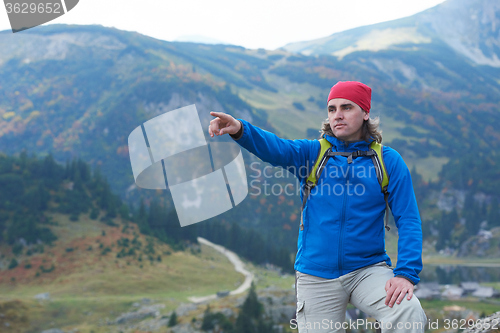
x=382, y=176
x=324, y=147
x=312, y=179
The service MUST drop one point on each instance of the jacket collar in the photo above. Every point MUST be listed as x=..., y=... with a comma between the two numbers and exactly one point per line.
x=348, y=146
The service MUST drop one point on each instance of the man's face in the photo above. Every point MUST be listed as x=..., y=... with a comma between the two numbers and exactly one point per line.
x=346, y=119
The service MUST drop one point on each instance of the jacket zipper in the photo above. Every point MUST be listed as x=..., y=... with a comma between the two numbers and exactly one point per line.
x=342, y=223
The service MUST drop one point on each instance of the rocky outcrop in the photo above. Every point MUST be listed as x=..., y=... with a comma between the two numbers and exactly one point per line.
x=42, y=297
x=470, y=27
x=279, y=305
x=141, y=313
x=490, y=324
x=484, y=244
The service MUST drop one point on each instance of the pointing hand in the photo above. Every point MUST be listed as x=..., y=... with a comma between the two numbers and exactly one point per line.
x=222, y=124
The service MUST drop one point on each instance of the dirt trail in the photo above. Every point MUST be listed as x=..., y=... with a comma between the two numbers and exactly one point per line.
x=239, y=266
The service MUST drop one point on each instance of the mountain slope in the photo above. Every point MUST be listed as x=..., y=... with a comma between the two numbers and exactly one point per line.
x=79, y=91
x=470, y=28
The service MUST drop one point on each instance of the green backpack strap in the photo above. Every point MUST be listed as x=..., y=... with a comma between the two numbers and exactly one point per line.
x=382, y=176
x=324, y=147
x=312, y=180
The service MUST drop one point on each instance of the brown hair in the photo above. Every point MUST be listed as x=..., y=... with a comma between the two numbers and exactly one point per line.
x=370, y=130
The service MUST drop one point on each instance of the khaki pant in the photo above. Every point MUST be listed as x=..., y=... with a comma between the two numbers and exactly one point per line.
x=322, y=303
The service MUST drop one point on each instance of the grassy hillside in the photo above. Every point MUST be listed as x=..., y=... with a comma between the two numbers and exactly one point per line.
x=89, y=283
x=80, y=260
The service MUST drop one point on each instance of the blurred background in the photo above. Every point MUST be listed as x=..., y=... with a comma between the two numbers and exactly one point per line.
x=83, y=249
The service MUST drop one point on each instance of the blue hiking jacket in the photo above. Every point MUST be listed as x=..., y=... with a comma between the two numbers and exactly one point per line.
x=344, y=215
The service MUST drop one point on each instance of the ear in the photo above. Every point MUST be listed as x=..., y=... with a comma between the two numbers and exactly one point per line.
x=366, y=116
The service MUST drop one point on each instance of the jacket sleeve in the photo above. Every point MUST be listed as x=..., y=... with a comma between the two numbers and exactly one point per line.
x=404, y=208
x=297, y=156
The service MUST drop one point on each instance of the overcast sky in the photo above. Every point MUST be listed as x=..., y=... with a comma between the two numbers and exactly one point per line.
x=252, y=24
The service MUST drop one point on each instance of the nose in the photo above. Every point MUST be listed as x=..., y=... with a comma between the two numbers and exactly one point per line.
x=339, y=115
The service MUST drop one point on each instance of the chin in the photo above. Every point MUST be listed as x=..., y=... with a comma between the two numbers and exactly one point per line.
x=340, y=136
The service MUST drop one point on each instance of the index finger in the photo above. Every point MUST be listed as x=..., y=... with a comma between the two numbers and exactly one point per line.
x=218, y=114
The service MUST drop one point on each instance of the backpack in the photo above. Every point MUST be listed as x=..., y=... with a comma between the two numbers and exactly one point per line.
x=375, y=152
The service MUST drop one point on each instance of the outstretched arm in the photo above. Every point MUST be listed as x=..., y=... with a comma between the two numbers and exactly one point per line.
x=296, y=156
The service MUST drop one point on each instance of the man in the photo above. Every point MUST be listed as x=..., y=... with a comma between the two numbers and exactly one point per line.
x=341, y=254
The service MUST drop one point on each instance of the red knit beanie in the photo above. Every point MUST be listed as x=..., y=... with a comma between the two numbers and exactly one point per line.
x=354, y=91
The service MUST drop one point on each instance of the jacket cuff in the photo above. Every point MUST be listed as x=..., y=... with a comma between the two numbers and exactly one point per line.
x=404, y=277
x=238, y=135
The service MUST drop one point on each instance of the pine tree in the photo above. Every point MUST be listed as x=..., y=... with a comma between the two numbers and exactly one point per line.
x=445, y=227
x=244, y=324
x=142, y=219
x=472, y=214
x=416, y=178
x=252, y=306
x=173, y=320
x=155, y=214
x=494, y=213
x=235, y=239
x=13, y=263
x=207, y=323
x=251, y=318
x=172, y=227
x=124, y=212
